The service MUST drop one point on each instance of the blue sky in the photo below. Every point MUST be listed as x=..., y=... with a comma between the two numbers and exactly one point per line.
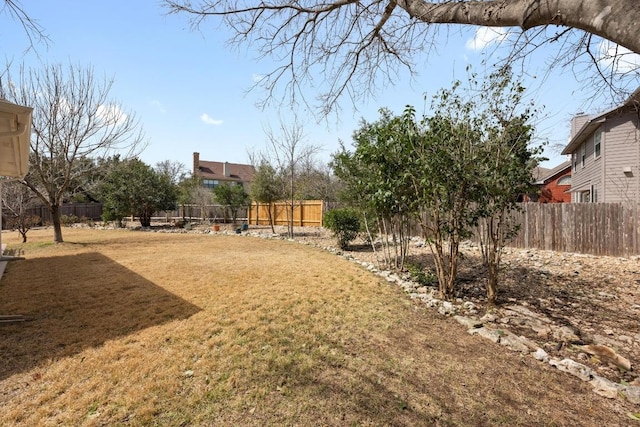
x=189, y=90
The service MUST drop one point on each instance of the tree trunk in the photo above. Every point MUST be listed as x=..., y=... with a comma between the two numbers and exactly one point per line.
x=492, y=283
x=145, y=218
x=57, y=226
x=270, y=214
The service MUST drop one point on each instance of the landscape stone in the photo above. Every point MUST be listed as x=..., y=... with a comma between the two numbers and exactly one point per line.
x=605, y=387
x=489, y=317
x=574, y=368
x=609, y=342
x=468, y=322
x=607, y=354
x=468, y=305
x=632, y=393
x=490, y=334
x=447, y=308
x=626, y=339
x=513, y=342
x=541, y=355
x=566, y=333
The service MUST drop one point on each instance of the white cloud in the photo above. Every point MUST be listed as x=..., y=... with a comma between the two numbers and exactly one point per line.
x=210, y=120
x=110, y=114
x=158, y=105
x=621, y=59
x=486, y=36
x=257, y=78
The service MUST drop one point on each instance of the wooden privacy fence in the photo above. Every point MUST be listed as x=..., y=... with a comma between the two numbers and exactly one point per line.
x=306, y=213
x=590, y=228
x=81, y=210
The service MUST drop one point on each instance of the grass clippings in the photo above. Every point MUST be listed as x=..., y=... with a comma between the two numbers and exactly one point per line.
x=140, y=328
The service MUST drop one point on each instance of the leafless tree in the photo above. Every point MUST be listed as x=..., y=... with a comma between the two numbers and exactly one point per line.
x=288, y=150
x=175, y=170
x=316, y=181
x=202, y=197
x=17, y=201
x=352, y=43
x=74, y=122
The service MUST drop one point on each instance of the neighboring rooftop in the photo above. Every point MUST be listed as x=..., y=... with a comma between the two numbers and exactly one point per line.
x=222, y=171
x=548, y=174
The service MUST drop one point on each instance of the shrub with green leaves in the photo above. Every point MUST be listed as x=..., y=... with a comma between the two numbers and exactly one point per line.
x=344, y=223
x=419, y=275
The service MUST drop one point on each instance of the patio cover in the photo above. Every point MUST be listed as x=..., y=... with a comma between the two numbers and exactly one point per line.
x=15, y=133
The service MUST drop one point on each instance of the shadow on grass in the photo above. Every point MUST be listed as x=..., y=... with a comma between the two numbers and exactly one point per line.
x=76, y=302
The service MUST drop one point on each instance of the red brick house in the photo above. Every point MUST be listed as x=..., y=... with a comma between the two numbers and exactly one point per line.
x=216, y=173
x=555, y=184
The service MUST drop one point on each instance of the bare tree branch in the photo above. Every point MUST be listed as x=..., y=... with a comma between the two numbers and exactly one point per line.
x=347, y=48
x=34, y=31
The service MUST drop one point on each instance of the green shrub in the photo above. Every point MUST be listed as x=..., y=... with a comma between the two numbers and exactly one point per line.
x=68, y=220
x=419, y=275
x=344, y=223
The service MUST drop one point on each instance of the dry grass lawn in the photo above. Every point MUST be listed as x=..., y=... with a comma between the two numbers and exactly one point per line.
x=139, y=328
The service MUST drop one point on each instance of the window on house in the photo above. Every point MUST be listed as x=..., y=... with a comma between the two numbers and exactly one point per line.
x=574, y=160
x=210, y=183
x=583, y=153
x=594, y=194
x=565, y=180
x=597, y=143
x=585, y=196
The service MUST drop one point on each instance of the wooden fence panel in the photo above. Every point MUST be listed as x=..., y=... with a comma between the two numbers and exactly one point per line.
x=591, y=228
x=91, y=211
x=306, y=213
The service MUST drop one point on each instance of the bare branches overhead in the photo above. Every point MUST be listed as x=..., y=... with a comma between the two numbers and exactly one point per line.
x=32, y=29
x=348, y=48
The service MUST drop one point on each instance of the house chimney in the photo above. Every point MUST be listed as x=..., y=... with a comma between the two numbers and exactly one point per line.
x=577, y=122
x=196, y=163
x=225, y=169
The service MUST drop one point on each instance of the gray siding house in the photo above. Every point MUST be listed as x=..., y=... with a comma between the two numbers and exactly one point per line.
x=605, y=155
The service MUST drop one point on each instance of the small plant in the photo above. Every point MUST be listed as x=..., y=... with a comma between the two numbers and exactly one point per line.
x=68, y=220
x=345, y=225
x=419, y=275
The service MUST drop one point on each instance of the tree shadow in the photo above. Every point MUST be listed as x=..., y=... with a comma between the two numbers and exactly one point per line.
x=75, y=302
